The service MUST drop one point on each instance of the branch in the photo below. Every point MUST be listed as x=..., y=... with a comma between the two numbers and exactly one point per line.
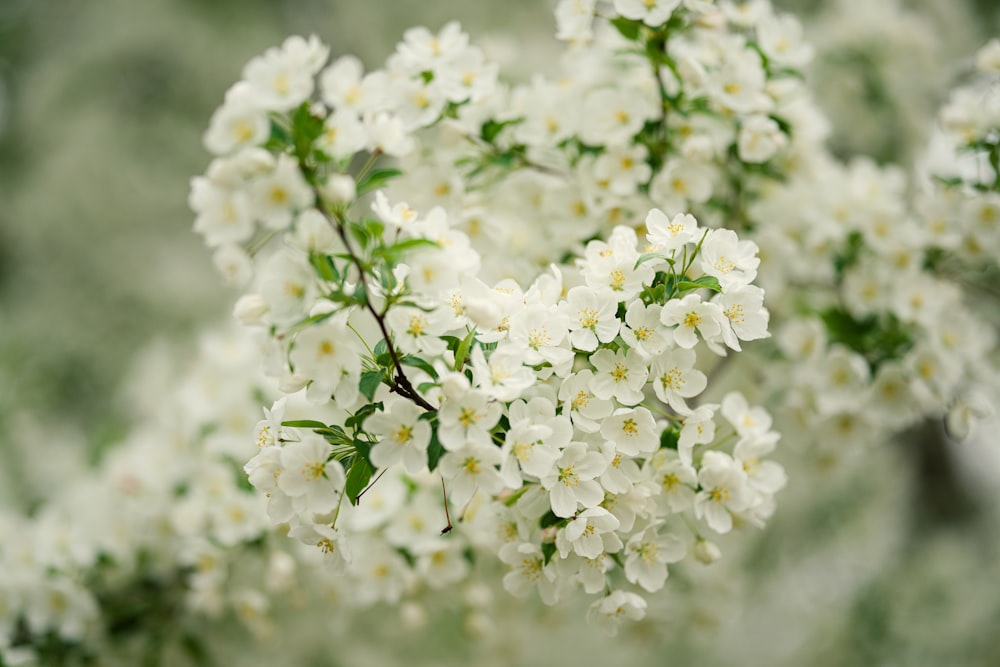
x=402, y=385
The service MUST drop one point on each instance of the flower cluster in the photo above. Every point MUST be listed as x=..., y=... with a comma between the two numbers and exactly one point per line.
x=542, y=416
x=691, y=108
x=898, y=337
x=161, y=538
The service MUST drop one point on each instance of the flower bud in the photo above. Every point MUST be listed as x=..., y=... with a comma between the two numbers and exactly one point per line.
x=280, y=572
x=234, y=265
x=706, y=552
x=965, y=413
x=250, y=309
x=339, y=189
x=485, y=314
x=478, y=625
x=478, y=595
x=412, y=615
x=292, y=383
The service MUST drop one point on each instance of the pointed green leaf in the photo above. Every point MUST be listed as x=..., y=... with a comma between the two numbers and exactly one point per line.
x=463, y=349
x=304, y=423
x=376, y=179
x=369, y=383
x=650, y=256
x=357, y=478
x=435, y=450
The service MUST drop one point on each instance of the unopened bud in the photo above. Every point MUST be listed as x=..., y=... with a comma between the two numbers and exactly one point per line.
x=292, y=383
x=706, y=552
x=412, y=615
x=485, y=314
x=250, y=309
x=339, y=189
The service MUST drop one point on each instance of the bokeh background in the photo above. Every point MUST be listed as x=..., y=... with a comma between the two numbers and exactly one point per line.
x=102, y=107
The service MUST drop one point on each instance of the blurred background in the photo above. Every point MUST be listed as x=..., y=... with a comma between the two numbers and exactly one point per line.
x=102, y=108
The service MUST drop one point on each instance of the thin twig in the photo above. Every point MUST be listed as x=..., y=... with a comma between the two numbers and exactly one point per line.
x=357, y=499
x=447, y=515
x=403, y=387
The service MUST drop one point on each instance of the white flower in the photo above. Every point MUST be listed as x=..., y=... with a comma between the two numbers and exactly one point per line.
x=223, y=214
x=780, y=38
x=574, y=19
x=233, y=264
x=328, y=354
x=609, y=611
x=403, y=436
x=540, y=330
x=309, y=477
x=466, y=417
x=619, y=374
x=745, y=312
x=504, y=376
x=238, y=123
x=723, y=488
x=441, y=562
x=675, y=481
x=642, y=330
x=698, y=429
x=732, y=261
x=528, y=571
x=471, y=468
x=965, y=412
x=585, y=409
x=632, y=430
x=674, y=378
x=748, y=422
x=343, y=135
x=690, y=314
x=282, y=79
x=612, y=116
x=344, y=87
x=672, y=234
x=592, y=316
x=571, y=480
x=760, y=139
x=277, y=195
x=589, y=534
x=647, y=555
x=331, y=544
x=650, y=12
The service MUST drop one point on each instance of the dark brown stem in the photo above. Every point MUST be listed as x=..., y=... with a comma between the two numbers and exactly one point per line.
x=447, y=515
x=357, y=500
x=401, y=384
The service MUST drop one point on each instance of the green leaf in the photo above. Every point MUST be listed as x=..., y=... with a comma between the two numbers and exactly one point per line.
x=548, y=519
x=279, y=138
x=308, y=322
x=669, y=438
x=393, y=254
x=369, y=383
x=548, y=550
x=305, y=423
x=356, y=420
x=305, y=125
x=335, y=435
x=325, y=268
x=492, y=128
x=628, y=28
x=417, y=362
x=376, y=179
x=706, y=282
x=463, y=349
x=357, y=478
x=650, y=256
x=435, y=450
